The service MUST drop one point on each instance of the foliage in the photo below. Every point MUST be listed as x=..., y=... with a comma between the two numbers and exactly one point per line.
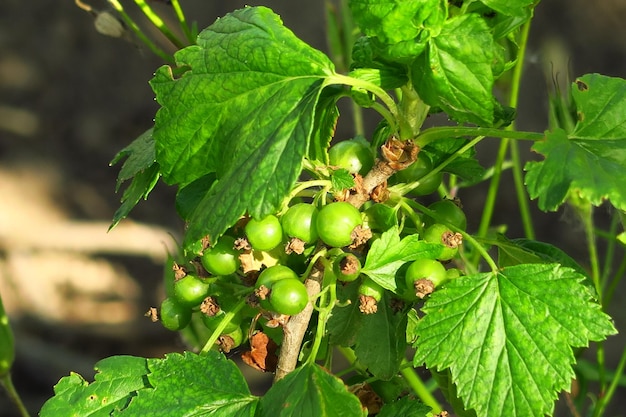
x=247, y=115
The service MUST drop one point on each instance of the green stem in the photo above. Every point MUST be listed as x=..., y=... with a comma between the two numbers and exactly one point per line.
x=610, y=252
x=442, y=132
x=419, y=388
x=7, y=383
x=606, y=398
x=585, y=211
x=158, y=23
x=329, y=299
x=617, y=278
x=143, y=38
x=492, y=192
x=403, y=189
x=348, y=31
x=183, y=22
x=220, y=328
x=522, y=198
x=387, y=100
x=466, y=237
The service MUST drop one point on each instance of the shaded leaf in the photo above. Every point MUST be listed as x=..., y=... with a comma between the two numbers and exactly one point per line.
x=141, y=185
x=310, y=391
x=381, y=340
x=517, y=328
x=465, y=166
x=345, y=322
x=405, y=407
x=525, y=251
x=140, y=164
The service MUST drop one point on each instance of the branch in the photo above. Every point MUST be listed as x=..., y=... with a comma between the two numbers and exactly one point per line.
x=295, y=328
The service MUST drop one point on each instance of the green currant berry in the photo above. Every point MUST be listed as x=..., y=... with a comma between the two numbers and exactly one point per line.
x=336, y=222
x=265, y=234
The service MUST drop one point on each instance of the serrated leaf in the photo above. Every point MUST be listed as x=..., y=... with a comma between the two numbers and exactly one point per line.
x=245, y=110
x=139, y=188
x=193, y=385
x=465, y=166
x=341, y=179
x=455, y=72
x=592, y=168
x=389, y=253
x=590, y=162
x=507, y=337
x=405, y=407
x=140, y=155
x=117, y=380
x=310, y=391
x=381, y=340
x=140, y=164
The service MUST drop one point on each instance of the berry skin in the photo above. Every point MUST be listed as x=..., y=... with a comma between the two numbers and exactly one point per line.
x=221, y=259
x=265, y=234
x=190, y=290
x=288, y=296
x=174, y=316
x=439, y=233
x=336, y=222
x=353, y=155
x=299, y=221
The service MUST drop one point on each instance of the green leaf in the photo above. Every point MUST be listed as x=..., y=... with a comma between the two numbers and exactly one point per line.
x=514, y=333
x=601, y=106
x=399, y=30
x=592, y=161
x=139, y=188
x=455, y=73
x=326, y=116
x=310, y=391
x=386, y=78
x=193, y=385
x=393, y=21
x=381, y=340
x=117, y=380
x=465, y=165
x=518, y=8
x=341, y=179
x=245, y=110
x=389, y=253
x=345, y=322
x=189, y=196
x=141, y=155
x=141, y=165
x=525, y=251
x=405, y=407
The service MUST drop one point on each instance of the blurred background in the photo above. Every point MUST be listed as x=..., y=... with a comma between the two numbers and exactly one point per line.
x=71, y=98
